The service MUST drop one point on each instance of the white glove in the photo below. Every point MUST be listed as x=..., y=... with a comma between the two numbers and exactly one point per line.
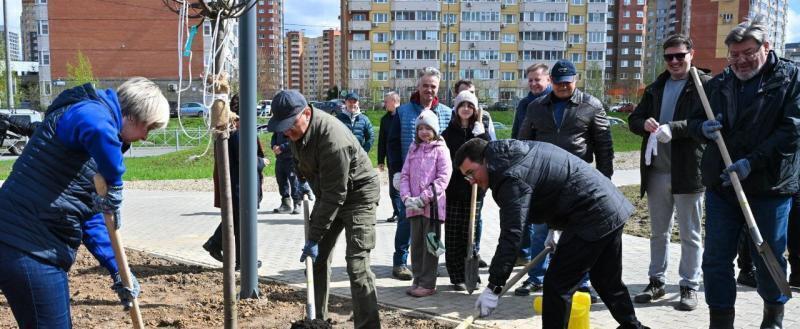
x=486, y=302
x=414, y=203
x=652, y=148
x=478, y=129
x=396, y=181
x=664, y=133
x=552, y=239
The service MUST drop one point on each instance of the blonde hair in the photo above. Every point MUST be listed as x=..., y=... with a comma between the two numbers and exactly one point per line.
x=142, y=101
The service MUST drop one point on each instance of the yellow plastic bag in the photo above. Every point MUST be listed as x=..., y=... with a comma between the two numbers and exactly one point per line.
x=579, y=316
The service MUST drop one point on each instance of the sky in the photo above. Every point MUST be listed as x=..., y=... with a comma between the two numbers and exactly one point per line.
x=313, y=16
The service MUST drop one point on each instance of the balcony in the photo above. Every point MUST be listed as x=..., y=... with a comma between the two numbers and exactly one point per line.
x=359, y=6
x=360, y=25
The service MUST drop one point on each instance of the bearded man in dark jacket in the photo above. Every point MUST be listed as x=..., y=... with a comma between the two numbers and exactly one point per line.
x=538, y=182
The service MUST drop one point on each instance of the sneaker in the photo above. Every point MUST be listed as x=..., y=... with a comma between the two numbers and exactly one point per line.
x=653, y=291
x=481, y=263
x=459, y=287
x=297, y=206
x=747, y=278
x=688, y=299
x=422, y=292
x=215, y=252
x=391, y=219
x=526, y=288
x=592, y=295
x=401, y=273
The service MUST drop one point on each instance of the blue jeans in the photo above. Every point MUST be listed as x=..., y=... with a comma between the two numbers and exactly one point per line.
x=538, y=233
x=288, y=184
x=402, y=235
x=724, y=221
x=394, y=196
x=37, y=292
x=525, y=247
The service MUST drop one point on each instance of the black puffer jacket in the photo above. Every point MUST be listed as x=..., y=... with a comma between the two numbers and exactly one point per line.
x=584, y=130
x=459, y=189
x=541, y=183
x=686, y=151
x=766, y=133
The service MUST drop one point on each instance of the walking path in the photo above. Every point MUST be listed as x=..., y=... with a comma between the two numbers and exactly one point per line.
x=176, y=224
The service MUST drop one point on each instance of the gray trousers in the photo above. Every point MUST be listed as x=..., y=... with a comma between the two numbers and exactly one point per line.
x=687, y=208
x=424, y=265
x=358, y=224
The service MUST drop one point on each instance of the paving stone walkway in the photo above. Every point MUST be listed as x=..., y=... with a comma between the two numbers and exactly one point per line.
x=175, y=224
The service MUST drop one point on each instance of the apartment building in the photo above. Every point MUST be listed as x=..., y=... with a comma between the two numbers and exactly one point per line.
x=30, y=29
x=270, y=53
x=664, y=18
x=321, y=68
x=490, y=42
x=792, y=51
x=14, y=49
x=625, y=49
x=712, y=20
x=294, y=60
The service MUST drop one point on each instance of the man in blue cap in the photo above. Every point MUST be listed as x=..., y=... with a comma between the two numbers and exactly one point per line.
x=576, y=122
x=348, y=190
x=357, y=122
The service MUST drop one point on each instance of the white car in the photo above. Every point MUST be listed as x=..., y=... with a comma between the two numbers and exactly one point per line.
x=265, y=108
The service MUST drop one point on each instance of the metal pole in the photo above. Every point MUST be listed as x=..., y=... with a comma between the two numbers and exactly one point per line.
x=9, y=79
x=447, y=46
x=248, y=178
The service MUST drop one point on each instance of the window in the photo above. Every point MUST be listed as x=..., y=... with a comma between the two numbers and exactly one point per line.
x=509, y=2
x=380, y=76
x=480, y=36
x=576, y=58
x=450, y=18
x=637, y=63
x=639, y=27
x=380, y=17
x=478, y=74
x=358, y=55
x=623, y=63
x=359, y=17
x=575, y=39
x=44, y=27
x=404, y=74
x=474, y=55
x=207, y=29
x=627, y=13
x=359, y=74
x=637, y=76
x=509, y=38
x=416, y=35
x=577, y=2
x=626, y=38
x=44, y=57
x=449, y=57
x=576, y=19
x=359, y=36
x=608, y=64
x=480, y=16
x=380, y=37
x=623, y=76
x=639, y=2
x=450, y=37
x=597, y=17
x=508, y=76
x=610, y=38
x=380, y=1
x=542, y=17
x=509, y=18
x=637, y=51
x=594, y=55
x=427, y=54
x=508, y=57
x=542, y=36
x=626, y=2
x=547, y=55
x=638, y=38
x=42, y=2
x=403, y=54
x=624, y=51
x=639, y=13
x=596, y=37
x=626, y=26
x=380, y=57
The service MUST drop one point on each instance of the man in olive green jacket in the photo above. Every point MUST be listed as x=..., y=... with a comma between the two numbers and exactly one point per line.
x=348, y=190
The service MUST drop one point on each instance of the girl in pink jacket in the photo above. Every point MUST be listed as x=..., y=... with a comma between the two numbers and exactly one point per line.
x=423, y=181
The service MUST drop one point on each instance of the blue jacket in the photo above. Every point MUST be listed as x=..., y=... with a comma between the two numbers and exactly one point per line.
x=361, y=128
x=522, y=108
x=96, y=240
x=49, y=193
x=281, y=141
x=403, y=129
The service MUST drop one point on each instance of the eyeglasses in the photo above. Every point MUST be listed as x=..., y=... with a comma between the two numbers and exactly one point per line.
x=469, y=175
x=679, y=56
x=747, y=56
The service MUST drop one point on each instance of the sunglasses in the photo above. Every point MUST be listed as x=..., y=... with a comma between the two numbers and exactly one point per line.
x=678, y=56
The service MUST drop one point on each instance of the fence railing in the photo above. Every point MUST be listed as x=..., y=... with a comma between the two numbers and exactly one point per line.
x=177, y=138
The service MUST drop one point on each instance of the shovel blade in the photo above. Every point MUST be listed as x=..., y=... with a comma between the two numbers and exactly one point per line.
x=471, y=274
x=775, y=270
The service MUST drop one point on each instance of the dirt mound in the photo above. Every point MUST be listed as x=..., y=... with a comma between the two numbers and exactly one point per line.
x=176, y=295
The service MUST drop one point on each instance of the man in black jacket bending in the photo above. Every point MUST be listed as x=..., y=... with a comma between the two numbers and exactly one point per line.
x=541, y=183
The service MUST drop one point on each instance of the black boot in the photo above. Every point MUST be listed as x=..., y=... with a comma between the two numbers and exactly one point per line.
x=721, y=318
x=773, y=316
x=285, y=208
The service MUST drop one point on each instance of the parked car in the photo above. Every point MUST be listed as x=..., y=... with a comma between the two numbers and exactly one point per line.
x=265, y=108
x=627, y=108
x=193, y=109
x=501, y=106
x=332, y=106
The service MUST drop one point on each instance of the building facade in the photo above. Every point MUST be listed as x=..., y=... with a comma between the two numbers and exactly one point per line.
x=269, y=38
x=712, y=20
x=625, y=50
x=294, y=60
x=792, y=51
x=30, y=28
x=321, y=64
x=664, y=18
x=490, y=42
x=14, y=46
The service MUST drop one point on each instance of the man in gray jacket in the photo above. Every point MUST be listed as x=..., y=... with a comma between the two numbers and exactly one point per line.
x=347, y=186
x=670, y=169
x=541, y=183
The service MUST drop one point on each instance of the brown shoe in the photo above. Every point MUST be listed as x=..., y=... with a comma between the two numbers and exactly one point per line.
x=422, y=292
x=402, y=273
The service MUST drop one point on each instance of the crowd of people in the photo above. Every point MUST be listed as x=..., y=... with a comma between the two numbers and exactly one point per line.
x=551, y=181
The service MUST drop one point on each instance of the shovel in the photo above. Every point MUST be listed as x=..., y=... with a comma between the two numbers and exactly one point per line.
x=310, y=309
x=775, y=271
x=510, y=283
x=471, y=263
x=119, y=253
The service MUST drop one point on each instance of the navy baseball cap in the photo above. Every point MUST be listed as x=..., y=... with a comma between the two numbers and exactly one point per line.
x=563, y=71
x=286, y=105
x=350, y=96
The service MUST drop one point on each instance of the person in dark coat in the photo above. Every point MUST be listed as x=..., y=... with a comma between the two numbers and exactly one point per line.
x=357, y=122
x=756, y=103
x=464, y=125
x=391, y=101
x=286, y=177
x=542, y=183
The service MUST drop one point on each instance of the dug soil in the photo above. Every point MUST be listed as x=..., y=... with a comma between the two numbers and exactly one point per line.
x=176, y=295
